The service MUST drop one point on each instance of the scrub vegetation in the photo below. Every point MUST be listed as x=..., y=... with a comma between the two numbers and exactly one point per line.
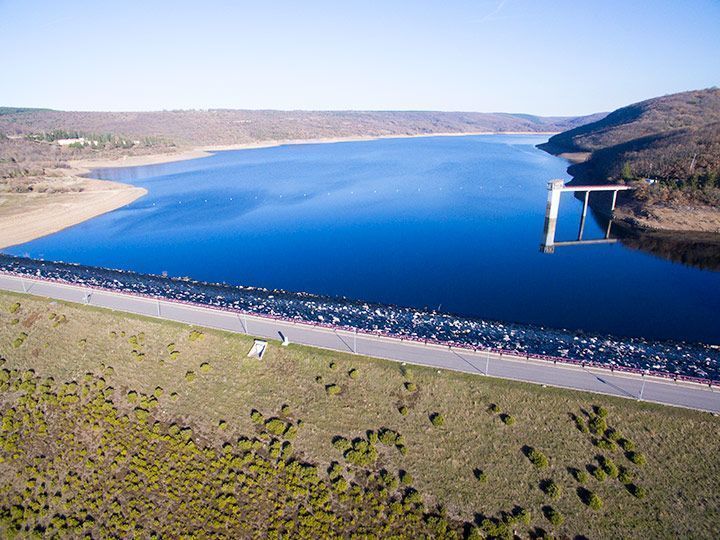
x=94, y=442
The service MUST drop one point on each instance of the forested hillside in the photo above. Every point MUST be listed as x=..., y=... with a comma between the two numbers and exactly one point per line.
x=671, y=142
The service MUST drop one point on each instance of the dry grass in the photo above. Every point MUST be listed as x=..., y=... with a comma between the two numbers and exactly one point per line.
x=682, y=476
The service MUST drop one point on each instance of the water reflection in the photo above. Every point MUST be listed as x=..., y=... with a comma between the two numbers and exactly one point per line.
x=697, y=250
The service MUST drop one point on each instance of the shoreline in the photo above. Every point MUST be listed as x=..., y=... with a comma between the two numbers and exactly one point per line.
x=184, y=154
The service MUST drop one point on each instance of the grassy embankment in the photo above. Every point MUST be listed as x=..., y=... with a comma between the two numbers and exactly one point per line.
x=130, y=476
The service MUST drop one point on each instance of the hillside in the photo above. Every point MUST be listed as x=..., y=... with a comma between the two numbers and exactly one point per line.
x=673, y=140
x=224, y=126
x=116, y=425
x=29, y=137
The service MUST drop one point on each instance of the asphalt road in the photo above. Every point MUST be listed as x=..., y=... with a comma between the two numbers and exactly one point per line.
x=681, y=394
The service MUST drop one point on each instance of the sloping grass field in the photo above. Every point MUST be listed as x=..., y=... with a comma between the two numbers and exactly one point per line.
x=114, y=424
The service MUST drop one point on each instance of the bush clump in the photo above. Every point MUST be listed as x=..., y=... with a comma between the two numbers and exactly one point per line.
x=590, y=498
x=389, y=437
x=256, y=417
x=594, y=501
x=624, y=476
x=508, y=419
x=403, y=410
x=205, y=367
x=626, y=444
x=638, y=458
x=554, y=516
x=332, y=389
x=410, y=386
x=552, y=489
x=20, y=340
x=437, y=419
x=190, y=376
x=537, y=458
x=608, y=465
x=362, y=453
x=480, y=475
x=637, y=491
x=14, y=307
x=605, y=444
x=196, y=335
x=353, y=373
x=406, y=478
x=494, y=408
x=597, y=425
x=276, y=426
x=599, y=474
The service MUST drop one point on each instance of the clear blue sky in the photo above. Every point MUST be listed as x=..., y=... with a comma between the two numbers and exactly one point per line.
x=554, y=57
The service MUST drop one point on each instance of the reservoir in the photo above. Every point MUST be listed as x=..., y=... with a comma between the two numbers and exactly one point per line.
x=446, y=223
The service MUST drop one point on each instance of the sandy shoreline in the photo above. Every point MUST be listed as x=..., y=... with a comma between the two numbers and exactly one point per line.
x=25, y=217
x=85, y=166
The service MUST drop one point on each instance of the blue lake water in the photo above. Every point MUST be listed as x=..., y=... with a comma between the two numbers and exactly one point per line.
x=443, y=222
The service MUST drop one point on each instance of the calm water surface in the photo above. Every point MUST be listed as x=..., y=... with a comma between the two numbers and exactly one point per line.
x=443, y=222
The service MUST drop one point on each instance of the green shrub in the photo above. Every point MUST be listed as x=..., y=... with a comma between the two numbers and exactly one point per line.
x=554, y=516
x=600, y=411
x=480, y=475
x=15, y=321
x=332, y=389
x=637, y=491
x=638, y=458
x=332, y=365
x=591, y=499
x=196, y=335
x=341, y=443
x=437, y=419
x=158, y=392
x=551, y=488
x=256, y=417
x=190, y=376
x=599, y=474
x=508, y=419
x=609, y=467
x=14, y=307
x=362, y=453
x=597, y=425
x=285, y=409
x=388, y=437
x=276, y=426
x=605, y=444
x=410, y=386
x=406, y=478
x=205, y=367
x=403, y=410
x=581, y=476
x=624, y=476
x=537, y=458
x=626, y=444
x=494, y=408
x=353, y=373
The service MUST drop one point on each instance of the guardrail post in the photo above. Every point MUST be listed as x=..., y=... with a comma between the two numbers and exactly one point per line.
x=642, y=388
x=487, y=363
x=22, y=282
x=355, y=342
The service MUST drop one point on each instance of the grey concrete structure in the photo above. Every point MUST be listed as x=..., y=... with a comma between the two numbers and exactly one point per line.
x=603, y=381
x=555, y=189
